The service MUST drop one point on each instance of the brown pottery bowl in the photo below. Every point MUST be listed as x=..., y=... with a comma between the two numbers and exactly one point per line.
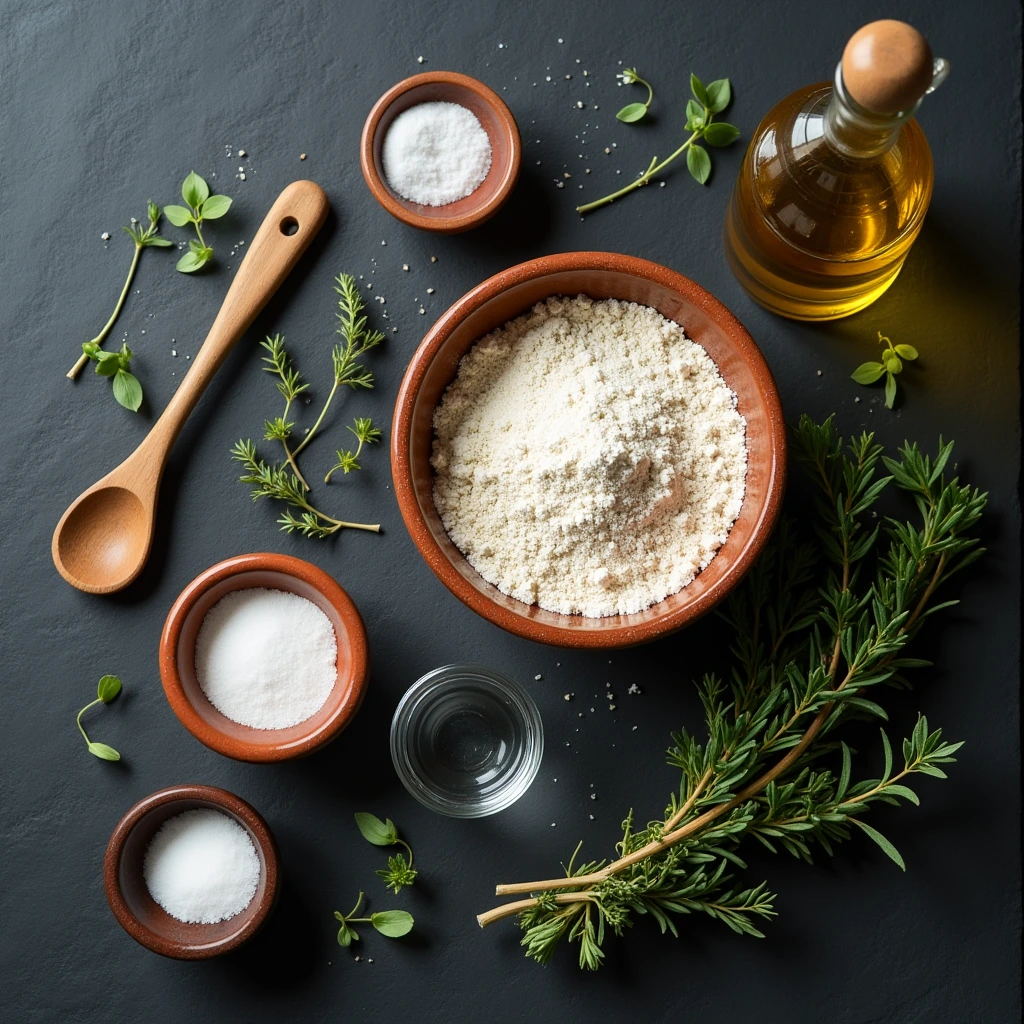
x=142, y=917
x=177, y=658
x=601, y=276
x=495, y=118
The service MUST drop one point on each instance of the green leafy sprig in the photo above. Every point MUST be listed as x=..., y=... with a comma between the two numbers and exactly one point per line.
x=391, y=923
x=821, y=626
x=201, y=206
x=143, y=239
x=286, y=482
x=700, y=122
x=398, y=873
x=365, y=433
x=109, y=687
x=893, y=357
x=633, y=112
x=116, y=365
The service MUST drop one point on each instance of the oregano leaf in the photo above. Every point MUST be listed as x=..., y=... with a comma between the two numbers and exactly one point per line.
x=907, y=352
x=632, y=112
x=719, y=95
x=698, y=90
x=374, y=830
x=127, y=390
x=104, y=752
x=868, y=373
x=214, y=207
x=392, y=923
x=721, y=133
x=178, y=215
x=890, y=390
x=699, y=163
x=194, y=190
x=108, y=688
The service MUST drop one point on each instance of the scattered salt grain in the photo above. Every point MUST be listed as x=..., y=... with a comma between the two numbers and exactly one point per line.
x=241, y=152
x=302, y=156
x=201, y=867
x=105, y=236
x=266, y=658
x=538, y=676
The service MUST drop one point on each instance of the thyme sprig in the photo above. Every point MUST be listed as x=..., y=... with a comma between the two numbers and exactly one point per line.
x=820, y=626
x=707, y=101
x=286, y=482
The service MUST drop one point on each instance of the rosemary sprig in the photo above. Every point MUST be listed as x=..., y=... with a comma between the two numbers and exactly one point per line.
x=286, y=482
x=270, y=480
x=707, y=101
x=819, y=628
x=358, y=338
x=366, y=433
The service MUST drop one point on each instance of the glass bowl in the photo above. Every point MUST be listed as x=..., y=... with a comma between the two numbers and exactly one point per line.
x=466, y=740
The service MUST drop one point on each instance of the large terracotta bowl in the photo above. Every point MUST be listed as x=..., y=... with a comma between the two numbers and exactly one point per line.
x=142, y=917
x=601, y=276
x=495, y=118
x=178, y=669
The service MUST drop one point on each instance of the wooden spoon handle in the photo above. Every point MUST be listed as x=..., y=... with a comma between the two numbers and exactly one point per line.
x=286, y=231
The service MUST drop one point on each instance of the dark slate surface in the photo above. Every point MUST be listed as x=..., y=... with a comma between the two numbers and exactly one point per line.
x=105, y=105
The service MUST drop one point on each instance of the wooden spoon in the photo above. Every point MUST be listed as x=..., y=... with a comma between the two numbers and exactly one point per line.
x=102, y=541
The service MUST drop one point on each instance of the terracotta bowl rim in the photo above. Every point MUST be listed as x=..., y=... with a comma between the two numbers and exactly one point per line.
x=231, y=746
x=231, y=804
x=394, y=206
x=615, y=634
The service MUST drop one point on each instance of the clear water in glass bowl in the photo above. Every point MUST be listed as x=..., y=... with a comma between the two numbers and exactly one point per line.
x=466, y=740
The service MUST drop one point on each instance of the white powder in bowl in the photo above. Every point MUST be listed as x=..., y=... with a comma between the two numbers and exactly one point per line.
x=436, y=153
x=201, y=867
x=589, y=457
x=266, y=658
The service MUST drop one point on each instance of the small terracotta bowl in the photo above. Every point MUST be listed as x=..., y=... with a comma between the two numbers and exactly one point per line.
x=601, y=276
x=497, y=121
x=178, y=645
x=144, y=919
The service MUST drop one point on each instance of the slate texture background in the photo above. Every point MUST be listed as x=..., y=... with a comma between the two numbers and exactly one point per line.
x=105, y=105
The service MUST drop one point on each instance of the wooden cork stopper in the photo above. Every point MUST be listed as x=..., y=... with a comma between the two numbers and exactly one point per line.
x=887, y=66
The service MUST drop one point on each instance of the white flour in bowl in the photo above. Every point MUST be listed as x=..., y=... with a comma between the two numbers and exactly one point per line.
x=589, y=457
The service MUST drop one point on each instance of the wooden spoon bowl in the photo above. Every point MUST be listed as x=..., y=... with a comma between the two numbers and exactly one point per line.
x=103, y=540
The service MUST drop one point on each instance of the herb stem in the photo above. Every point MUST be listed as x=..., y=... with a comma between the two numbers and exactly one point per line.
x=644, y=178
x=98, y=340
x=82, y=712
x=288, y=452
x=319, y=420
x=330, y=473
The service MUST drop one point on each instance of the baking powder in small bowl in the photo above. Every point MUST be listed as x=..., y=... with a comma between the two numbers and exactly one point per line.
x=436, y=153
x=266, y=658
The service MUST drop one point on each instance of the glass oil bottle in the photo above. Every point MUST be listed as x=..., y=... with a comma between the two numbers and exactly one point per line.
x=836, y=181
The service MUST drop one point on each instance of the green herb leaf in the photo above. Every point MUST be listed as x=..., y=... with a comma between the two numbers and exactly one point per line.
x=106, y=753
x=907, y=352
x=214, y=207
x=694, y=115
x=698, y=90
x=178, y=215
x=109, y=687
x=632, y=112
x=890, y=390
x=163, y=243
x=868, y=373
x=884, y=843
x=893, y=364
x=721, y=133
x=392, y=923
x=699, y=163
x=107, y=364
x=127, y=390
x=193, y=261
x=719, y=95
x=194, y=190
x=375, y=831
x=345, y=934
